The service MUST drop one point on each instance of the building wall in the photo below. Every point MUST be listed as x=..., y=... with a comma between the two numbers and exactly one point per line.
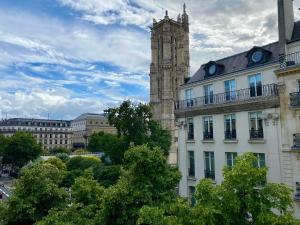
x=269, y=146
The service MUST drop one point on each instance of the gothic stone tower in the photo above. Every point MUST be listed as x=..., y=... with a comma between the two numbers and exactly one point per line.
x=168, y=70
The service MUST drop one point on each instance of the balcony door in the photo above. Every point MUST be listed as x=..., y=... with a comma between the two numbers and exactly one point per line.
x=208, y=94
x=189, y=98
x=255, y=85
x=230, y=89
x=256, y=125
x=209, y=161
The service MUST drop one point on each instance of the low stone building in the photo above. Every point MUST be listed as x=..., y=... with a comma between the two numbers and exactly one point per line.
x=50, y=133
x=85, y=125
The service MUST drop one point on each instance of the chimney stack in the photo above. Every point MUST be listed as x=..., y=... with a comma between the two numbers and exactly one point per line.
x=285, y=23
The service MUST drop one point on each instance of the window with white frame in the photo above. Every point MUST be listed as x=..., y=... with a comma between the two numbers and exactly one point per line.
x=209, y=162
x=256, y=125
x=230, y=127
x=230, y=158
x=230, y=90
x=191, y=164
x=255, y=85
x=208, y=94
x=208, y=131
x=261, y=160
x=189, y=97
x=190, y=130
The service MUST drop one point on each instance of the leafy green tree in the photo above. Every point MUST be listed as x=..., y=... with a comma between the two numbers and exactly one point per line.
x=112, y=145
x=146, y=180
x=135, y=124
x=3, y=143
x=35, y=193
x=106, y=175
x=21, y=148
x=82, y=162
x=55, y=151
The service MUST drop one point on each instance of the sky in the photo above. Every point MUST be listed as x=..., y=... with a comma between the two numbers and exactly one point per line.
x=62, y=58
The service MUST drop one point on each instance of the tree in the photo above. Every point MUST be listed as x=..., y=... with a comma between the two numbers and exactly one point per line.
x=135, y=124
x=55, y=151
x=21, y=148
x=112, y=145
x=146, y=180
x=106, y=175
x=35, y=193
x=82, y=162
x=3, y=143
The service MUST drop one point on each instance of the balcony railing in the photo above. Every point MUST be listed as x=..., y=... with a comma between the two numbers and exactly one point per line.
x=296, y=141
x=209, y=174
x=289, y=60
x=256, y=134
x=243, y=95
x=230, y=135
x=295, y=99
x=208, y=135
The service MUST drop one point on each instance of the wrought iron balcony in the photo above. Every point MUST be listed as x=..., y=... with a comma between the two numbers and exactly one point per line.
x=289, y=60
x=209, y=174
x=208, y=135
x=230, y=135
x=296, y=141
x=295, y=99
x=256, y=134
x=261, y=97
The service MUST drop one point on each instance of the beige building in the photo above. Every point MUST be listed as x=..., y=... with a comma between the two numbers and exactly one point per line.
x=85, y=125
x=168, y=70
x=50, y=133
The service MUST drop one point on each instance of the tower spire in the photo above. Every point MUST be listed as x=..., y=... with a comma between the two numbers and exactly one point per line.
x=184, y=8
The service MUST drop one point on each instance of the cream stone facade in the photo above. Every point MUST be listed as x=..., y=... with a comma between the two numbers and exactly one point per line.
x=85, y=125
x=168, y=70
x=49, y=133
x=248, y=102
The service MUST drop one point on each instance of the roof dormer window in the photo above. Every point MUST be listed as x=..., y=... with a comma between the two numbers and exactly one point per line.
x=258, y=55
x=213, y=68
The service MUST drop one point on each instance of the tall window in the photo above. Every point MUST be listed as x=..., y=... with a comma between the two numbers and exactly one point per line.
x=189, y=97
x=208, y=131
x=256, y=125
x=190, y=125
x=191, y=163
x=230, y=128
x=230, y=90
x=261, y=160
x=209, y=162
x=208, y=94
x=255, y=85
x=192, y=199
x=298, y=85
x=230, y=158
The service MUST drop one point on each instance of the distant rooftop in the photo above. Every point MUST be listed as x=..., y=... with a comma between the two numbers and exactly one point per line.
x=89, y=115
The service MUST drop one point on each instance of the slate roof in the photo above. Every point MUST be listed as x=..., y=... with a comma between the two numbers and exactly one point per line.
x=239, y=62
x=89, y=115
x=235, y=63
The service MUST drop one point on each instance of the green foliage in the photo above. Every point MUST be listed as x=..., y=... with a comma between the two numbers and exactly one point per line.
x=106, y=175
x=82, y=162
x=63, y=156
x=112, y=145
x=54, y=151
x=55, y=161
x=35, y=193
x=21, y=148
x=135, y=124
x=146, y=180
x=3, y=143
x=80, y=151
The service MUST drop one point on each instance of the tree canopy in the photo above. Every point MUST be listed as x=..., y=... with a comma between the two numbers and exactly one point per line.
x=20, y=149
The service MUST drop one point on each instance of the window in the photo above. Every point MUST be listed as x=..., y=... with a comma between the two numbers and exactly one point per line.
x=208, y=132
x=208, y=94
x=191, y=164
x=298, y=85
x=257, y=56
x=230, y=93
x=209, y=162
x=256, y=125
x=261, y=160
x=255, y=85
x=230, y=128
x=297, y=195
x=230, y=158
x=192, y=199
x=188, y=97
x=190, y=124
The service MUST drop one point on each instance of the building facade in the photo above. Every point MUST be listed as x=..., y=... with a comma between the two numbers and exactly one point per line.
x=49, y=133
x=85, y=125
x=168, y=70
x=248, y=102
